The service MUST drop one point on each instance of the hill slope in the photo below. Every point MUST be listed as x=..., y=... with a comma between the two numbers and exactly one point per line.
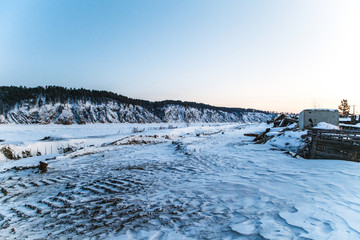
x=60, y=105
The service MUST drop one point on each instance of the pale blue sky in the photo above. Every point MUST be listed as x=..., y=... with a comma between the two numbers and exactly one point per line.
x=271, y=55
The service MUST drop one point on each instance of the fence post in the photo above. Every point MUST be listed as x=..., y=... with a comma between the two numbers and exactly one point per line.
x=313, y=147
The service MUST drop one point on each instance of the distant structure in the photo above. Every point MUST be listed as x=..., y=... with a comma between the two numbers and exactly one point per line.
x=310, y=117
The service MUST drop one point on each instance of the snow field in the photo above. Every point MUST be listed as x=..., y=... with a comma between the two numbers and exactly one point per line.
x=191, y=182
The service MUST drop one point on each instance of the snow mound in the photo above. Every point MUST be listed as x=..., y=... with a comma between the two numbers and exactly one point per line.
x=139, y=140
x=290, y=140
x=324, y=125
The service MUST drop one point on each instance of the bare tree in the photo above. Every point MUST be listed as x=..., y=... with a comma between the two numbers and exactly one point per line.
x=315, y=104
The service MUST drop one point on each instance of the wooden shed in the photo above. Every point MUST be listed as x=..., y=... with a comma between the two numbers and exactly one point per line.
x=310, y=117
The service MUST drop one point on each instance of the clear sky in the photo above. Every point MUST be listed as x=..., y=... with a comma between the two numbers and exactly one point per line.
x=270, y=54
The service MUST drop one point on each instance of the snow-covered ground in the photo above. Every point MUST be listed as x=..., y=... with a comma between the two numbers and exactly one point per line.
x=156, y=181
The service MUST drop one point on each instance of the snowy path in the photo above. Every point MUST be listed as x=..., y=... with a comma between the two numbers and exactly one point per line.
x=219, y=186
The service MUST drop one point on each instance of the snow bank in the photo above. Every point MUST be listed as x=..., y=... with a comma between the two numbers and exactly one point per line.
x=324, y=125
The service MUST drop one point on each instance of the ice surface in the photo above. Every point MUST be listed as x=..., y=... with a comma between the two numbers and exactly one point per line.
x=245, y=228
x=189, y=182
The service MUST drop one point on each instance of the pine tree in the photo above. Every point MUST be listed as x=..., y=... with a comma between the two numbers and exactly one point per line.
x=344, y=108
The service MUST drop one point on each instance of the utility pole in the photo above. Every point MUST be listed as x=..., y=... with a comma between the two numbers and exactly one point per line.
x=353, y=117
x=353, y=109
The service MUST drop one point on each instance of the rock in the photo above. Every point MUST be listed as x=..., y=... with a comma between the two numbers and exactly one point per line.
x=43, y=166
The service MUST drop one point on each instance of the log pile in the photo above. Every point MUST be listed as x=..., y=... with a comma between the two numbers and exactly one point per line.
x=284, y=120
x=261, y=137
x=282, y=124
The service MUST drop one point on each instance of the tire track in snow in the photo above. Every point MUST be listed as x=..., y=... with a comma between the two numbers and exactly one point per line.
x=207, y=187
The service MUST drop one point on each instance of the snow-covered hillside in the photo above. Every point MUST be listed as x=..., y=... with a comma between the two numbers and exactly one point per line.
x=112, y=112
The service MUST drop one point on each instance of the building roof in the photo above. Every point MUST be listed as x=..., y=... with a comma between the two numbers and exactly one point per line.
x=321, y=109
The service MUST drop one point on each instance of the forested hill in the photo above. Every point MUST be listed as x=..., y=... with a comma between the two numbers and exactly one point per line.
x=54, y=104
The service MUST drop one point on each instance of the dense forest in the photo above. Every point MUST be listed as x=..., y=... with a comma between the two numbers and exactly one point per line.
x=38, y=96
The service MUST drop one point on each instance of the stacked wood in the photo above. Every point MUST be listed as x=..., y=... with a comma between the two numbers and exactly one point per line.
x=284, y=120
x=261, y=137
x=335, y=144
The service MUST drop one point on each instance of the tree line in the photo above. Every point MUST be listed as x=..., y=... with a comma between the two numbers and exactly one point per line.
x=10, y=96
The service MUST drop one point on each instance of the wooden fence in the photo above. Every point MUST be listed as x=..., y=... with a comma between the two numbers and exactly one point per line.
x=335, y=144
